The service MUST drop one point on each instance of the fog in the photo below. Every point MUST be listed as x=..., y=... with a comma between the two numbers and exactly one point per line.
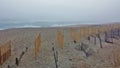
x=82, y=11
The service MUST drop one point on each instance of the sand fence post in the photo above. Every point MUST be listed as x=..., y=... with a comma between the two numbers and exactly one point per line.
x=8, y=66
x=55, y=57
x=100, y=41
x=16, y=61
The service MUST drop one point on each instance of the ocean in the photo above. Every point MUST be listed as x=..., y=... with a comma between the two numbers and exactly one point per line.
x=6, y=24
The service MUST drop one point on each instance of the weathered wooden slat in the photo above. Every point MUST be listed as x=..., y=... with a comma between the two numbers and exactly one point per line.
x=5, y=52
x=0, y=56
x=60, y=39
x=37, y=45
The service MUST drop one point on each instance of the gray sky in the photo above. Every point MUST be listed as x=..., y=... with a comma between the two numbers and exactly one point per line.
x=61, y=10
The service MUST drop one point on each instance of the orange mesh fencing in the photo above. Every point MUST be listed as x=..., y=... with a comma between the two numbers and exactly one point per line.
x=37, y=45
x=60, y=39
x=5, y=52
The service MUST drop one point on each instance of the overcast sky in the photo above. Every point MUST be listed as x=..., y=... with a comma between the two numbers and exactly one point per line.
x=61, y=10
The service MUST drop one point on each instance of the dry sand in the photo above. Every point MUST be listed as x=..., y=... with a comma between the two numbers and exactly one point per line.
x=68, y=57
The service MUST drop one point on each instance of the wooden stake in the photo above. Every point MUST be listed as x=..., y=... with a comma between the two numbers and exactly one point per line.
x=55, y=57
x=100, y=40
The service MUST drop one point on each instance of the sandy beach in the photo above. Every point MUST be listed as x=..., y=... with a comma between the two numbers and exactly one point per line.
x=70, y=56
